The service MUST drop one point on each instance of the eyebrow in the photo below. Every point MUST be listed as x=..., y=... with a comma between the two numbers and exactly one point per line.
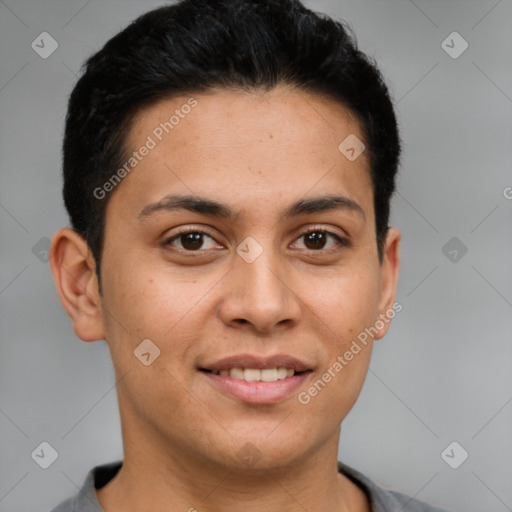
x=201, y=205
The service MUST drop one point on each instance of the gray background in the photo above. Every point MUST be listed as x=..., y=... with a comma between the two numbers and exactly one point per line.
x=442, y=374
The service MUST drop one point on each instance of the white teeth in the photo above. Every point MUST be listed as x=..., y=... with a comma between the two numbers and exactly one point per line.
x=269, y=375
x=252, y=375
x=256, y=375
x=282, y=373
x=237, y=373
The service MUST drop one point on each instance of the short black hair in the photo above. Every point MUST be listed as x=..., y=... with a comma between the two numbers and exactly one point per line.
x=197, y=45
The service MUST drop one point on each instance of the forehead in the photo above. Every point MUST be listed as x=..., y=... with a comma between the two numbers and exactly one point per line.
x=236, y=117
x=246, y=146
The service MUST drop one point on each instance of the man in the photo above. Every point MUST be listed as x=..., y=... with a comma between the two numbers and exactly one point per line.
x=228, y=169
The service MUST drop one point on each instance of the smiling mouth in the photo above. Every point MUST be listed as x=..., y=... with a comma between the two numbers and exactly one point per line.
x=255, y=374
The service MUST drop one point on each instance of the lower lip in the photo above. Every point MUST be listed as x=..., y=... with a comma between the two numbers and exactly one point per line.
x=257, y=392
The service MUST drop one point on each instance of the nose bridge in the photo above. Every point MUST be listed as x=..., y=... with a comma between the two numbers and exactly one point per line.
x=260, y=293
x=262, y=275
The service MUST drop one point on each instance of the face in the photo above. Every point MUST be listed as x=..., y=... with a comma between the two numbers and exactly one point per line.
x=252, y=289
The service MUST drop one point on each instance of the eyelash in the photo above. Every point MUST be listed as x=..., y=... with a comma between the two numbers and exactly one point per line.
x=342, y=242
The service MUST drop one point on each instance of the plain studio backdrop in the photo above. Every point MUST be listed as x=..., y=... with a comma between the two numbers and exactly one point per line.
x=442, y=375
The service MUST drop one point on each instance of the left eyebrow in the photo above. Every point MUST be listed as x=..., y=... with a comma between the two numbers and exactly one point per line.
x=205, y=206
x=323, y=204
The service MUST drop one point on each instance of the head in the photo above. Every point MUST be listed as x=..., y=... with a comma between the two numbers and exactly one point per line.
x=218, y=211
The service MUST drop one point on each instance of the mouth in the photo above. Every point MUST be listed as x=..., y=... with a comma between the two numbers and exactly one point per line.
x=257, y=380
x=255, y=374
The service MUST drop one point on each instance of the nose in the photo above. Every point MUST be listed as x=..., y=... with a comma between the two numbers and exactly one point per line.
x=259, y=295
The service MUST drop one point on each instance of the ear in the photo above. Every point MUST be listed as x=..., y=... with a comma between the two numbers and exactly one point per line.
x=73, y=268
x=390, y=268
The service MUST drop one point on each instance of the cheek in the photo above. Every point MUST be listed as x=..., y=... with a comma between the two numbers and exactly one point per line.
x=345, y=304
x=148, y=303
x=141, y=305
x=344, y=310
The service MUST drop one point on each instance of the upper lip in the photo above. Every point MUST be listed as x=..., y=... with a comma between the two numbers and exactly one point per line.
x=258, y=362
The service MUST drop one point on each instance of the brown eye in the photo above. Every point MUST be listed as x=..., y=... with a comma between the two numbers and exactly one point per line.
x=315, y=240
x=318, y=239
x=190, y=241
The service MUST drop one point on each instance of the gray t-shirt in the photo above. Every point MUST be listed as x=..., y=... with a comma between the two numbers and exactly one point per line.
x=381, y=500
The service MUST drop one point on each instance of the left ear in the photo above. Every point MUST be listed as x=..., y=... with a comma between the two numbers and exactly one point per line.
x=390, y=268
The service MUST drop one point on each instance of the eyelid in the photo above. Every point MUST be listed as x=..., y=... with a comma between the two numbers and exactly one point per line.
x=323, y=228
x=191, y=229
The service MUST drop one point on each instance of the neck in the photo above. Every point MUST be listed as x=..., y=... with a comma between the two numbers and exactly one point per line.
x=158, y=476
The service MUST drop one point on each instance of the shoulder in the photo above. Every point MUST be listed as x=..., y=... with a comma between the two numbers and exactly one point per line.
x=65, y=506
x=386, y=500
x=404, y=502
x=86, y=499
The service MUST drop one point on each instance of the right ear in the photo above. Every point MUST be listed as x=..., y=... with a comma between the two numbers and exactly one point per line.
x=74, y=272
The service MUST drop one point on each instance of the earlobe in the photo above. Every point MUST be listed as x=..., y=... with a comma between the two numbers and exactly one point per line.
x=73, y=270
x=390, y=269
